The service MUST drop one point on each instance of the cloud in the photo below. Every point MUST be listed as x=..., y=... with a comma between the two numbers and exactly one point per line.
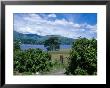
x=52, y=15
x=35, y=24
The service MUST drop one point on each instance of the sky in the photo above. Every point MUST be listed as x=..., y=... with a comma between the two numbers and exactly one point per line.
x=71, y=25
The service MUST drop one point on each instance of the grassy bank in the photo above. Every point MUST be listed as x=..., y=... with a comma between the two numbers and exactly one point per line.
x=55, y=55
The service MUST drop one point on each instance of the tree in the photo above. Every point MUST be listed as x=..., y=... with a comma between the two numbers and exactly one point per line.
x=16, y=45
x=83, y=57
x=52, y=43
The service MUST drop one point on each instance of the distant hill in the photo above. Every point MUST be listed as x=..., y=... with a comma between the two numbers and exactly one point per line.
x=38, y=39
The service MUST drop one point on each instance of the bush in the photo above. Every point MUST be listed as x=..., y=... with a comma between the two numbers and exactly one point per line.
x=16, y=45
x=83, y=57
x=32, y=60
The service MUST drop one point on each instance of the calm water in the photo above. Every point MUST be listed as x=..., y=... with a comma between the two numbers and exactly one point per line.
x=27, y=46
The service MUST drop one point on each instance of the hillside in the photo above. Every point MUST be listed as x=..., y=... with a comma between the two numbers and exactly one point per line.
x=38, y=39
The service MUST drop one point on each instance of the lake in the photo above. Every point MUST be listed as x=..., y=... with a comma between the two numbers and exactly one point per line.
x=28, y=46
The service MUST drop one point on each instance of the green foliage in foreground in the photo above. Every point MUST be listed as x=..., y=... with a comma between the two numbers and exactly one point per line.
x=32, y=60
x=83, y=57
x=16, y=45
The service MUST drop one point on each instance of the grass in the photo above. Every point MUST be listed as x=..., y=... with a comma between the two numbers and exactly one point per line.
x=61, y=51
x=23, y=73
x=55, y=55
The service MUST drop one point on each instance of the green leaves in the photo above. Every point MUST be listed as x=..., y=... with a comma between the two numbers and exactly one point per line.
x=52, y=43
x=16, y=45
x=83, y=57
x=32, y=61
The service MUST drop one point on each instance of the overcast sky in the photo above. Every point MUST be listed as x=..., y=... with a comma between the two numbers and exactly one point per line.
x=72, y=25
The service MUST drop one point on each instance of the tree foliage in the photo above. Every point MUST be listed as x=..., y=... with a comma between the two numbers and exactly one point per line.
x=16, y=45
x=32, y=60
x=52, y=43
x=83, y=57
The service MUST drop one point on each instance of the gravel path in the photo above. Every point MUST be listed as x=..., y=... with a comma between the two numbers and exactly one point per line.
x=58, y=72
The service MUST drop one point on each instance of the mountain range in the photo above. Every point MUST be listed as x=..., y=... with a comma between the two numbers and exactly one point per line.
x=38, y=39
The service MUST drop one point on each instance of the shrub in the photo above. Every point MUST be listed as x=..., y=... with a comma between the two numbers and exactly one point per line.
x=32, y=60
x=16, y=45
x=83, y=57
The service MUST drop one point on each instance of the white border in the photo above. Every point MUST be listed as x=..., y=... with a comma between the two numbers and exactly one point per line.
x=101, y=37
